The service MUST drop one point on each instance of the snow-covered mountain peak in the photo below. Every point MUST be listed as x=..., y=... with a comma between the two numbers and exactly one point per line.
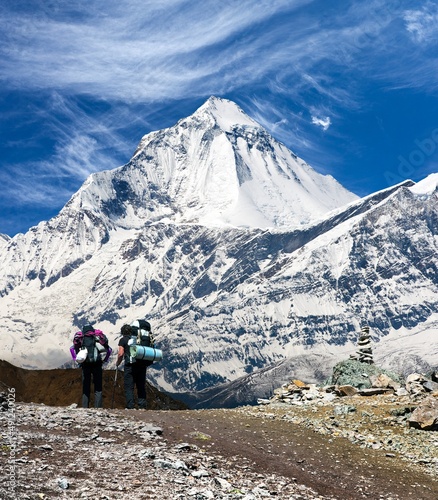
x=226, y=114
x=219, y=167
x=426, y=186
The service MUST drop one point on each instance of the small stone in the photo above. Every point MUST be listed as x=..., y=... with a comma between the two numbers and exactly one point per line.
x=223, y=483
x=147, y=453
x=374, y=391
x=262, y=401
x=63, y=483
x=329, y=396
x=183, y=447
x=344, y=409
x=152, y=429
x=200, y=473
x=167, y=464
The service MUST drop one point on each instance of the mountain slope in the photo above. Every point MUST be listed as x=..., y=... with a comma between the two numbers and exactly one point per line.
x=60, y=387
x=238, y=252
x=379, y=267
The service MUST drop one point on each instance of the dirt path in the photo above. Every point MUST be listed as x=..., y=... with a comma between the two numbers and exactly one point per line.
x=329, y=466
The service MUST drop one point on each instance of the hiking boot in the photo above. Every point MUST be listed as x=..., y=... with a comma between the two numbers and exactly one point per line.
x=98, y=399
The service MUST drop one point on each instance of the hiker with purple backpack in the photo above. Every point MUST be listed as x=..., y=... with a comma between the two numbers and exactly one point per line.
x=89, y=347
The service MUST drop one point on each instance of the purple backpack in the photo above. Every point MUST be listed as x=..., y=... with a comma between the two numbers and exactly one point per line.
x=96, y=343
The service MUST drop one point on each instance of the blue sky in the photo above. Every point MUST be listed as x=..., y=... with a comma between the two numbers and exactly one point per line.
x=349, y=86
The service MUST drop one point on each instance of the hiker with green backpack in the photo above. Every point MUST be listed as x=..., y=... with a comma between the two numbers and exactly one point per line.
x=136, y=349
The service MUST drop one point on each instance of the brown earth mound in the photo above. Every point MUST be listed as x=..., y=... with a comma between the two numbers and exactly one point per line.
x=63, y=387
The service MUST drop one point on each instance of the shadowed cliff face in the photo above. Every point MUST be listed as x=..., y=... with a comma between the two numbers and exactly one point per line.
x=64, y=387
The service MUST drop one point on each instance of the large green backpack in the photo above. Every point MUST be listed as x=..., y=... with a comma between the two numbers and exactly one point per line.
x=141, y=331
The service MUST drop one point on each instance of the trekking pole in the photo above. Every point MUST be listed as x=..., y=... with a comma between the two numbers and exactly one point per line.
x=114, y=388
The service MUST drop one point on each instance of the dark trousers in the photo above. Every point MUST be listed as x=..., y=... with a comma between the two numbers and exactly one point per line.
x=135, y=374
x=92, y=370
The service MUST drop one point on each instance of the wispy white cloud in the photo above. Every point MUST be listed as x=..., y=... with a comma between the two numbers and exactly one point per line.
x=85, y=143
x=372, y=44
x=422, y=24
x=324, y=123
x=145, y=52
x=140, y=52
x=286, y=124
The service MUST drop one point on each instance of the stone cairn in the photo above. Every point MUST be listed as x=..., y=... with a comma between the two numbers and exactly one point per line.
x=364, y=354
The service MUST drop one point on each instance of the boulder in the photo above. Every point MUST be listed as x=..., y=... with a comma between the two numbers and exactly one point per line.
x=425, y=416
x=293, y=387
x=299, y=383
x=383, y=381
x=415, y=377
x=430, y=386
x=357, y=374
x=346, y=390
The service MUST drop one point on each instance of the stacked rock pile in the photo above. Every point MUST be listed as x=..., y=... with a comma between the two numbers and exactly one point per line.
x=364, y=353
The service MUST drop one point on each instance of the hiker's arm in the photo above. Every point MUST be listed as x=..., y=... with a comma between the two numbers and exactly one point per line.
x=120, y=355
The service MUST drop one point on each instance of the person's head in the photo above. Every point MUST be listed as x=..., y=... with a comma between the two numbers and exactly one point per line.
x=126, y=330
x=87, y=328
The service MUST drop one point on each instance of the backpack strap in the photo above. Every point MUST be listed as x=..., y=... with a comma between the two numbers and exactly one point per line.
x=101, y=337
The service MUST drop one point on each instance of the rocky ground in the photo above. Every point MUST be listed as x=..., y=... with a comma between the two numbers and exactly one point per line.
x=118, y=454
x=375, y=439
x=343, y=448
